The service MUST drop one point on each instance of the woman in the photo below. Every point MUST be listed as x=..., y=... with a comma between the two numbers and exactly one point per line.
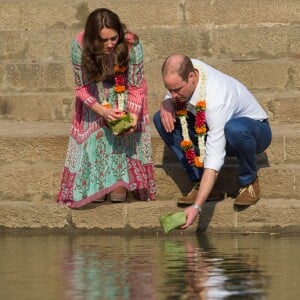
x=109, y=76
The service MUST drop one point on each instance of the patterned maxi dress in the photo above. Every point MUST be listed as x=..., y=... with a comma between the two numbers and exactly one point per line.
x=98, y=161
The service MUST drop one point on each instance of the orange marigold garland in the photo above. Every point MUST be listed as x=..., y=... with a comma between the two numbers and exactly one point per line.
x=106, y=104
x=119, y=87
x=200, y=130
x=200, y=124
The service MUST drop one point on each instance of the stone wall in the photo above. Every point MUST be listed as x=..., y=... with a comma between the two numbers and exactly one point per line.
x=256, y=41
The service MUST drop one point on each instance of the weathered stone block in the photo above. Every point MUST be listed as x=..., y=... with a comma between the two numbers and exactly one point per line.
x=246, y=12
x=258, y=75
x=193, y=42
x=38, y=106
x=26, y=181
x=99, y=216
x=217, y=214
x=37, y=77
x=24, y=215
x=287, y=215
x=43, y=46
x=253, y=43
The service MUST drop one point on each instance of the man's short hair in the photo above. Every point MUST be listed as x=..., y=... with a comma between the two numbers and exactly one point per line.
x=178, y=64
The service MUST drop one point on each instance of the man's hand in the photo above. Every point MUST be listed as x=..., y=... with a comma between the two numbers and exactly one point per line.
x=167, y=114
x=191, y=215
x=207, y=182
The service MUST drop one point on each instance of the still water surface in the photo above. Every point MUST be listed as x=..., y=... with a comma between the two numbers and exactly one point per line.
x=149, y=267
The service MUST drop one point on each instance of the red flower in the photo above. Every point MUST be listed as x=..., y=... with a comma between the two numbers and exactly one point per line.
x=190, y=156
x=119, y=80
x=200, y=118
x=200, y=130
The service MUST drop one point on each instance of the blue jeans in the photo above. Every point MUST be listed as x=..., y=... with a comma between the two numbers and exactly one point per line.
x=245, y=138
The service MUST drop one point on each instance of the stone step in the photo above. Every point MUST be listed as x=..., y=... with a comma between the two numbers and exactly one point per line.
x=274, y=216
x=198, y=41
x=51, y=84
x=44, y=77
x=284, y=148
x=46, y=141
x=33, y=154
x=39, y=181
x=37, y=83
x=283, y=107
x=50, y=107
x=36, y=14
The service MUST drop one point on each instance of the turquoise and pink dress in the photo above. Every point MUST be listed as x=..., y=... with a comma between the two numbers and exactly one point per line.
x=97, y=160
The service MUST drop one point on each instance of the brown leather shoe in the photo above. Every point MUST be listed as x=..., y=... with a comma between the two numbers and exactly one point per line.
x=190, y=198
x=248, y=195
x=118, y=195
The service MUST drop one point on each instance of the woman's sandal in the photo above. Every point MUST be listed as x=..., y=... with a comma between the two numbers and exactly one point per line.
x=118, y=195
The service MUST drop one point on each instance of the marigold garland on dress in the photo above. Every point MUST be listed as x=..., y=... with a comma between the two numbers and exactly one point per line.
x=119, y=87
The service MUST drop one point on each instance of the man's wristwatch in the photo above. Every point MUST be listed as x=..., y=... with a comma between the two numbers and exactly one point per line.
x=197, y=207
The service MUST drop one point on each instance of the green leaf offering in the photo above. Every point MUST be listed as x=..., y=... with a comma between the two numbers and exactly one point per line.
x=121, y=125
x=172, y=221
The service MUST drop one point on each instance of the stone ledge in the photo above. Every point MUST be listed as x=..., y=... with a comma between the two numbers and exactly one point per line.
x=271, y=216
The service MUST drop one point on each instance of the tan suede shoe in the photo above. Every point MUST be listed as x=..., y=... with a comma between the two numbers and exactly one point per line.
x=248, y=195
x=190, y=198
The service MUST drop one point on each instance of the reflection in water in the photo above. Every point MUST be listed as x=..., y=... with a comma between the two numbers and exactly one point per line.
x=107, y=270
x=149, y=267
x=208, y=274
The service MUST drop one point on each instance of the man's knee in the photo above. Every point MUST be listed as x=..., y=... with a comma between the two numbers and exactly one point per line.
x=236, y=135
x=230, y=128
x=157, y=120
x=231, y=134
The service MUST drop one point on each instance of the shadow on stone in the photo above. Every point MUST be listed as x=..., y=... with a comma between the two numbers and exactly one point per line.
x=227, y=181
x=206, y=216
x=240, y=208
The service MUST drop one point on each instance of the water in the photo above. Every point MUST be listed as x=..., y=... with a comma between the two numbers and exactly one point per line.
x=149, y=267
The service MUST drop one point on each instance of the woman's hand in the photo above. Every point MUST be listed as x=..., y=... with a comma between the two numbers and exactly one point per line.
x=134, y=120
x=111, y=114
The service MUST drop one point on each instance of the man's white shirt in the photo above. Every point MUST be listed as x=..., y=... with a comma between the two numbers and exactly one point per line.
x=226, y=98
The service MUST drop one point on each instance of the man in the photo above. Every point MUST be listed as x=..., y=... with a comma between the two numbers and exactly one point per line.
x=205, y=116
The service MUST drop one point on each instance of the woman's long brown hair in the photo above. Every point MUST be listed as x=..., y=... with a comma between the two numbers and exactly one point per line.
x=95, y=61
